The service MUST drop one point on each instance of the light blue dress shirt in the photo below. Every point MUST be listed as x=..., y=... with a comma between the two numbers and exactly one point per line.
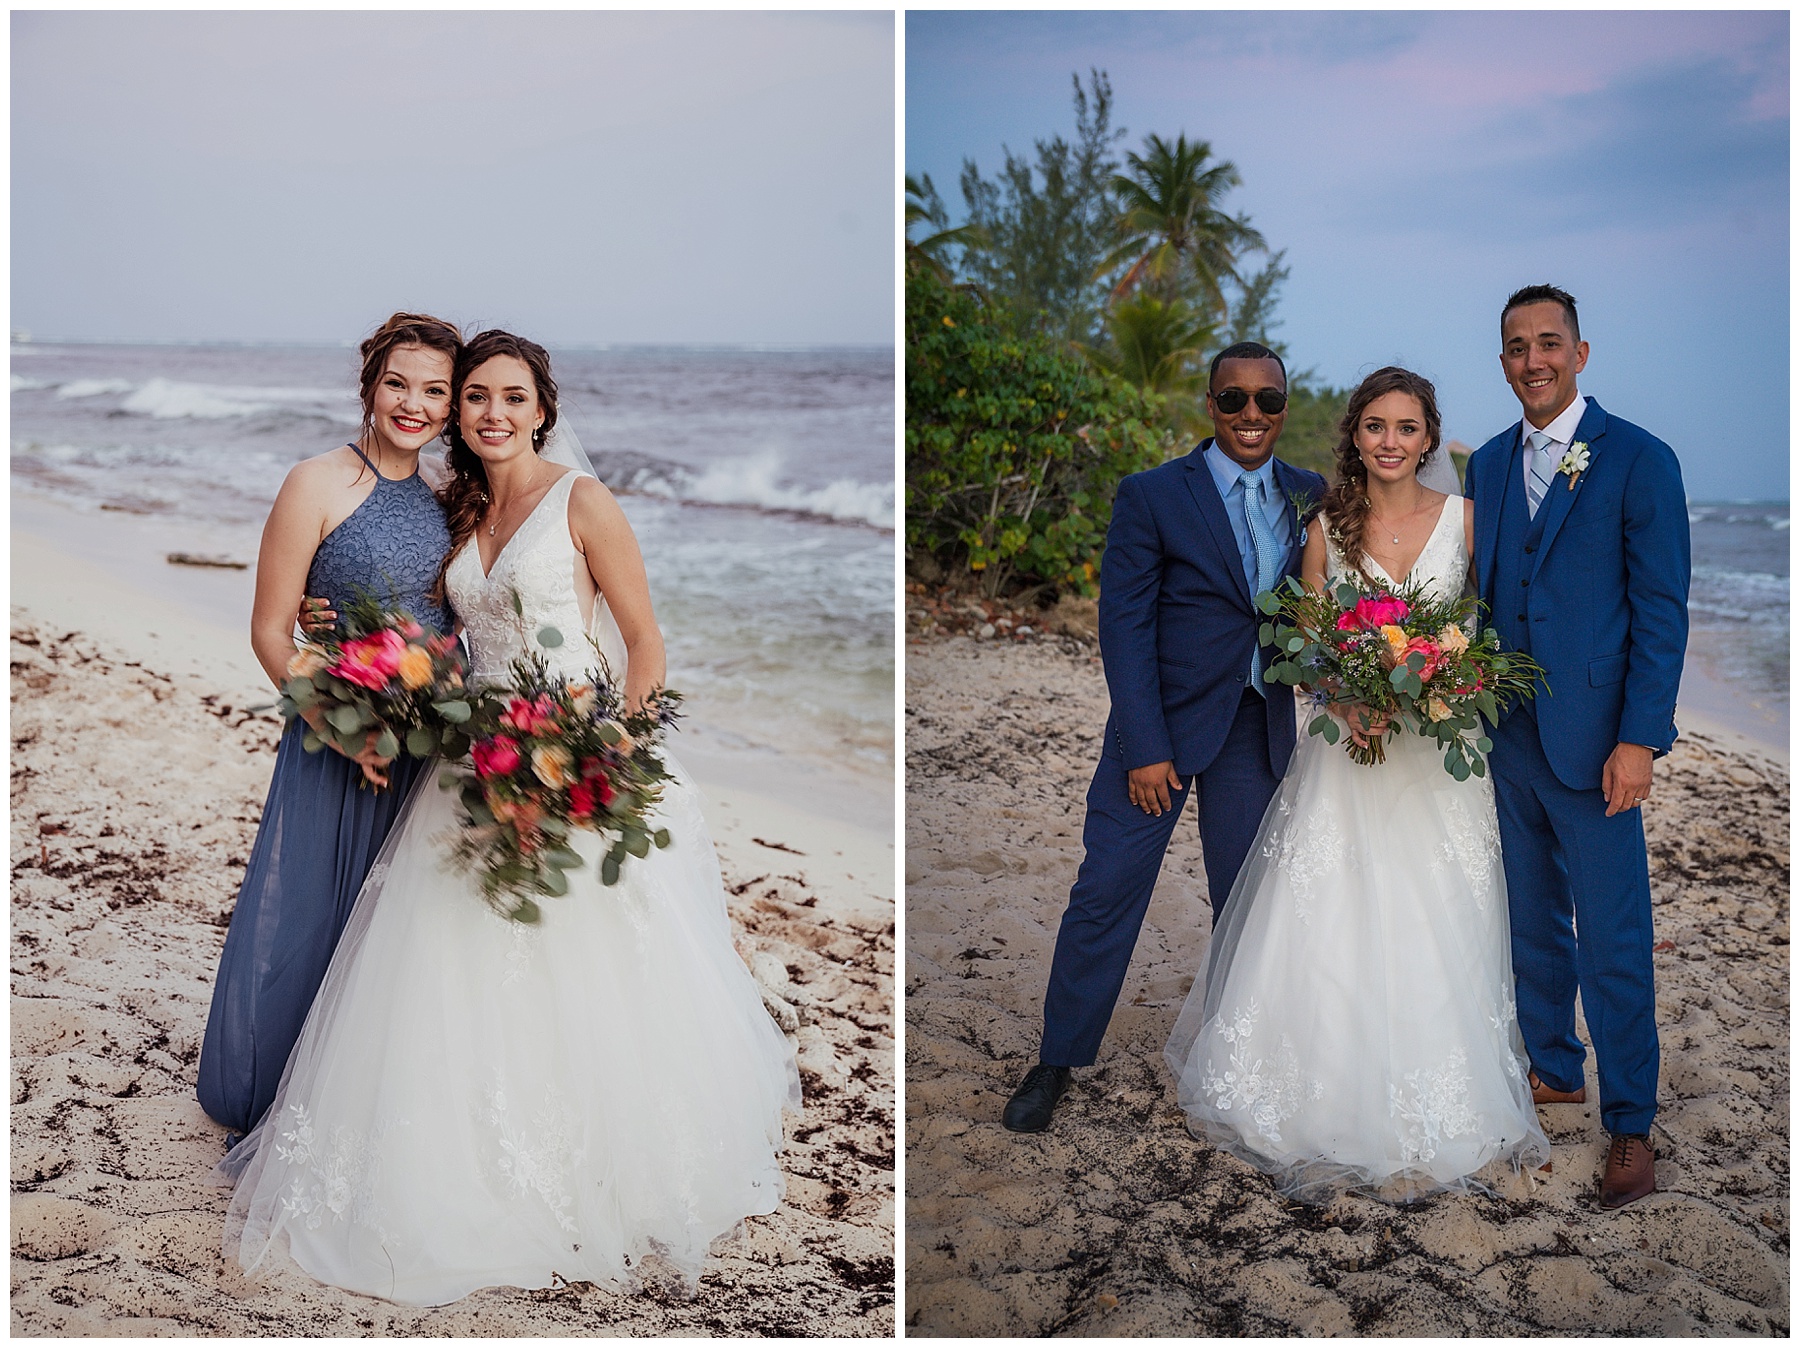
x=1225, y=472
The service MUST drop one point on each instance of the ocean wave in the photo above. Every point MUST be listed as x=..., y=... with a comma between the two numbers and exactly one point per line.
x=166, y=399
x=93, y=388
x=754, y=483
x=1736, y=514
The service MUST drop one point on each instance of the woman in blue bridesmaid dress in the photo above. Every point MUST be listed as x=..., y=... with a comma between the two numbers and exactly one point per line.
x=359, y=517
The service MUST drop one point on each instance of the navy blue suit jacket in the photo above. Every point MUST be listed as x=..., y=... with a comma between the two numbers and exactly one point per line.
x=1177, y=622
x=1607, y=598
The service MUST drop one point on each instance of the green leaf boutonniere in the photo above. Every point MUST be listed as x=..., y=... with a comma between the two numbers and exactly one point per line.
x=1306, y=510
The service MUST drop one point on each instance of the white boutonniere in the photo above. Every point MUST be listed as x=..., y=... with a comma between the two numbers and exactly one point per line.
x=1575, y=462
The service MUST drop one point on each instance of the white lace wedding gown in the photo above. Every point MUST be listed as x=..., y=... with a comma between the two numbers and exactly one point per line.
x=474, y=1102
x=1355, y=1026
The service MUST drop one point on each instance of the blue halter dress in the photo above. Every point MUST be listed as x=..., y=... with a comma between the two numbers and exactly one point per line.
x=321, y=825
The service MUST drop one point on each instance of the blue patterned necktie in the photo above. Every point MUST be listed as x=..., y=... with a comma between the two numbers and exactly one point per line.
x=1538, y=471
x=1268, y=557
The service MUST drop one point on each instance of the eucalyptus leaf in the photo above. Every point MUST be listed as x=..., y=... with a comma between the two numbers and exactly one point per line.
x=609, y=733
x=526, y=912
x=609, y=871
x=562, y=858
x=420, y=742
x=347, y=718
x=387, y=744
x=455, y=710
x=1331, y=731
x=1294, y=644
x=553, y=881
x=1318, y=725
x=518, y=604
x=638, y=844
x=1269, y=602
x=662, y=838
x=311, y=742
x=1485, y=744
x=549, y=638
x=455, y=743
x=1265, y=635
x=1479, y=768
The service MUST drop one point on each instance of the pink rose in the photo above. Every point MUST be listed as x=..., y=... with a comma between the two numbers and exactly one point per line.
x=581, y=800
x=369, y=662
x=1385, y=612
x=495, y=758
x=410, y=629
x=1433, y=656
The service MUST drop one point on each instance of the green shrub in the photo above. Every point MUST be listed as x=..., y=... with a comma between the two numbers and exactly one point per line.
x=1014, y=443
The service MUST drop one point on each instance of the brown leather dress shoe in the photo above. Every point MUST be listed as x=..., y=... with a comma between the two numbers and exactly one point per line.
x=1630, y=1170
x=1549, y=1095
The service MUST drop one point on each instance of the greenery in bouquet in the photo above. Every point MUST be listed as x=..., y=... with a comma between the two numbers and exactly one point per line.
x=1402, y=654
x=380, y=673
x=552, y=755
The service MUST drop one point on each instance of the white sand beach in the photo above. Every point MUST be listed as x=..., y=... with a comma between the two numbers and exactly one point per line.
x=139, y=772
x=1117, y=1222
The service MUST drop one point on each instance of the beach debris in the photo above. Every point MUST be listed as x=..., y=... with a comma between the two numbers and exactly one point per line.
x=777, y=846
x=196, y=559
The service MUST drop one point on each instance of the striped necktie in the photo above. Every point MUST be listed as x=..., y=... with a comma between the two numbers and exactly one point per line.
x=1268, y=557
x=1538, y=469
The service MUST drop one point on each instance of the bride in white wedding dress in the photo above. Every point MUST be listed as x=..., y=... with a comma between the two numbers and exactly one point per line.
x=476, y=1102
x=1355, y=1027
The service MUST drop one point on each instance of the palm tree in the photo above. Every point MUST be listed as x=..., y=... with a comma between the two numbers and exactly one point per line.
x=1170, y=224
x=1157, y=345
x=924, y=203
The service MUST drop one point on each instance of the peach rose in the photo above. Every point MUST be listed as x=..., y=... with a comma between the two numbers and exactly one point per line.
x=306, y=662
x=551, y=764
x=1453, y=640
x=415, y=667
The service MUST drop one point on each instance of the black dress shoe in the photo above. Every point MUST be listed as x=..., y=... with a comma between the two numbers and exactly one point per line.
x=1029, y=1109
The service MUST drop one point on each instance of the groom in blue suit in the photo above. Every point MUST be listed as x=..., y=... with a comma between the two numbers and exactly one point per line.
x=1581, y=542
x=1190, y=545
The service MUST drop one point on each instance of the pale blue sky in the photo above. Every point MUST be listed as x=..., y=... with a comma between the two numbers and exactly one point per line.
x=583, y=177
x=1419, y=166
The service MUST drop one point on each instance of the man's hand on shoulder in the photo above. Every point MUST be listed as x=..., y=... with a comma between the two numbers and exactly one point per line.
x=1150, y=785
x=1625, y=779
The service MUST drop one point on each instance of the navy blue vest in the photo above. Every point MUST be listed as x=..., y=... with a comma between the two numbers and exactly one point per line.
x=1515, y=555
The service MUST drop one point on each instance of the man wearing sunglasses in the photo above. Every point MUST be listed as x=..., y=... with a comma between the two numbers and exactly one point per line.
x=1190, y=546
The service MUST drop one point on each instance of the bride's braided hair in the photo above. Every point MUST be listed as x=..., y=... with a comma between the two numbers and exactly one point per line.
x=1347, y=503
x=465, y=492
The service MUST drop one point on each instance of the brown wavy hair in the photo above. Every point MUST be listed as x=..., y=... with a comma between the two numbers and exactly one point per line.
x=401, y=330
x=465, y=492
x=1347, y=503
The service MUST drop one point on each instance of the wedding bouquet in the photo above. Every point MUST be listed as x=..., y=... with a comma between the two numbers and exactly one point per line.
x=384, y=673
x=1403, y=655
x=552, y=755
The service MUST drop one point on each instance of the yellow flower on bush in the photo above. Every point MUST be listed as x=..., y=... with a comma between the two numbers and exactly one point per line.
x=1452, y=641
x=415, y=667
x=1396, y=639
x=551, y=764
